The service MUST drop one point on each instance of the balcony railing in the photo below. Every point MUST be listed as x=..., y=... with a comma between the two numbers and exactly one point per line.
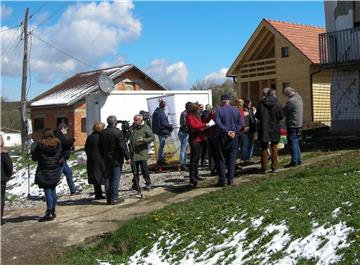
x=340, y=48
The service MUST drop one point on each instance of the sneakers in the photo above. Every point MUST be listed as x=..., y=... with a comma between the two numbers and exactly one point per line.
x=148, y=187
x=53, y=213
x=99, y=198
x=75, y=192
x=118, y=201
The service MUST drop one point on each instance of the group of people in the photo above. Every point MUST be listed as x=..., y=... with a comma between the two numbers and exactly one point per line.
x=218, y=132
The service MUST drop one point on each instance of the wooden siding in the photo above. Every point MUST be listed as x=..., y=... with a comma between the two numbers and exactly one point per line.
x=321, y=97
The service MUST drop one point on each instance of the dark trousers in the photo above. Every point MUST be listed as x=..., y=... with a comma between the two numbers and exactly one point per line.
x=213, y=162
x=204, y=146
x=98, y=191
x=265, y=155
x=3, y=188
x=144, y=171
x=226, y=153
x=195, y=152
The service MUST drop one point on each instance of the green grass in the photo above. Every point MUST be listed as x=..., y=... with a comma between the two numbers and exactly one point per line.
x=298, y=197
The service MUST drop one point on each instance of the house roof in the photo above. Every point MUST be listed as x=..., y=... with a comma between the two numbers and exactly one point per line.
x=304, y=38
x=78, y=86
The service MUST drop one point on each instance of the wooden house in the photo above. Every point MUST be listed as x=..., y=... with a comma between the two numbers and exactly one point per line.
x=65, y=102
x=281, y=54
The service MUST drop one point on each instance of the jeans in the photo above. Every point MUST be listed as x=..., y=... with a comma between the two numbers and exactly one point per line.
x=292, y=135
x=112, y=184
x=3, y=188
x=246, y=146
x=50, y=196
x=69, y=176
x=184, y=138
x=162, y=140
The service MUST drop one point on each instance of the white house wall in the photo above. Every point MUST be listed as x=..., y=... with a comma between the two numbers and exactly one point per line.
x=11, y=139
x=345, y=102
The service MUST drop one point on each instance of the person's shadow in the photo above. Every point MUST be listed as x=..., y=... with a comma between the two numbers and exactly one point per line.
x=21, y=219
x=83, y=201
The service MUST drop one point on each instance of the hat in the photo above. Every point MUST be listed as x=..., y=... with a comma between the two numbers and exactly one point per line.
x=225, y=97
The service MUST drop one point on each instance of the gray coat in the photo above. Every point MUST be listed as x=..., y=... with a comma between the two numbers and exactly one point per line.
x=293, y=111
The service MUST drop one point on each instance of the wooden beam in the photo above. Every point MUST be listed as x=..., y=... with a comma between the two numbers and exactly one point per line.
x=258, y=41
x=262, y=46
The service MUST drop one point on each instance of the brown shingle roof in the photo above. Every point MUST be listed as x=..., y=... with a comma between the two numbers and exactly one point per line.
x=304, y=37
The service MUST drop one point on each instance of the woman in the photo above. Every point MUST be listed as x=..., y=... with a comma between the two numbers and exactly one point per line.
x=48, y=154
x=6, y=172
x=95, y=163
x=247, y=138
x=196, y=127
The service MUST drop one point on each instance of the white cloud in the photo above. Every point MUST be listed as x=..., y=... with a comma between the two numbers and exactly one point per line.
x=217, y=77
x=87, y=31
x=118, y=61
x=5, y=11
x=172, y=76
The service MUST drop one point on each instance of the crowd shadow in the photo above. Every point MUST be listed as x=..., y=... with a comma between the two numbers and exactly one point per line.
x=82, y=201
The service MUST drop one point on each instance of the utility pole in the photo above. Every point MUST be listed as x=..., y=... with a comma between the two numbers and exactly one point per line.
x=24, y=126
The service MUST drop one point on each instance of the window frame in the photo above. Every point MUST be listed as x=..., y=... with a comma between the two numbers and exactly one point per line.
x=37, y=126
x=283, y=53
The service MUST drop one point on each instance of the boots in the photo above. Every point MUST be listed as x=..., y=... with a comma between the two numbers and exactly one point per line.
x=53, y=213
x=47, y=217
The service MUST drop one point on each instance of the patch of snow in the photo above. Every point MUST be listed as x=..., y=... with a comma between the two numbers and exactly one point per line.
x=292, y=208
x=347, y=203
x=336, y=212
x=256, y=222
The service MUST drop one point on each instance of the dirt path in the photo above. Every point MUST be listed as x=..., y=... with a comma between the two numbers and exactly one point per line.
x=26, y=241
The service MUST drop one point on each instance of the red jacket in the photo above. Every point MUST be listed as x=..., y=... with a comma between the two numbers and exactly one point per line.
x=195, y=127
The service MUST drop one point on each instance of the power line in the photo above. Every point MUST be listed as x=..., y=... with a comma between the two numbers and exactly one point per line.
x=11, y=55
x=10, y=43
x=67, y=54
x=37, y=10
x=13, y=27
x=52, y=15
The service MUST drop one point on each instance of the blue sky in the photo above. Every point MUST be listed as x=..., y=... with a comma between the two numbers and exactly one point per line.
x=177, y=43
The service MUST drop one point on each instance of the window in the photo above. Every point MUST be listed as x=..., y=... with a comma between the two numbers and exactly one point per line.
x=83, y=124
x=38, y=124
x=129, y=86
x=285, y=52
x=61, y=120
x=8, y=138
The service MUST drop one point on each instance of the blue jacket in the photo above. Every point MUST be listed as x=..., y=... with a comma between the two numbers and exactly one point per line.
x=228, y=118
x=160, y=123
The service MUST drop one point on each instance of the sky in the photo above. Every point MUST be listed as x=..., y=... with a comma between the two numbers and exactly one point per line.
x=176, y=43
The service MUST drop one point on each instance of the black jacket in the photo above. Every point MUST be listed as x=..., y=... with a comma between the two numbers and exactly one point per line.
x=95, y=164
x=113, y=147
x=66, y=143
x=48, y=154
x=6, y=167
x=269, y=114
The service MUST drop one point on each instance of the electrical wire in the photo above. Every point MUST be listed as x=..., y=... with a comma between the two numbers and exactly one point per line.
x=6, y=50
x=13, y=53
x=37, y=10
x=49, y=17
x=67, y=54
x=13, y=27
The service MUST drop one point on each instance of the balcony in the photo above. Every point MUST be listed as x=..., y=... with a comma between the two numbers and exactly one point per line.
x=340, y=48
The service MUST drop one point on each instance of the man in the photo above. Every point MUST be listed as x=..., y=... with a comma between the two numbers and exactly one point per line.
x=113, y=150
x=162, y=128
x=141, y=136
x=229, y=123
x=293, y=112
x=184, y=136
x=269, y=114
x=67, y=143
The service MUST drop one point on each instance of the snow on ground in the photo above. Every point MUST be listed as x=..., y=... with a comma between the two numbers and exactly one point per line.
x=18, y=186
x=321, y=245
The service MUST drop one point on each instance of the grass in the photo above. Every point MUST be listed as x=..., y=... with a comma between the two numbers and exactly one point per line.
x=298, y=197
